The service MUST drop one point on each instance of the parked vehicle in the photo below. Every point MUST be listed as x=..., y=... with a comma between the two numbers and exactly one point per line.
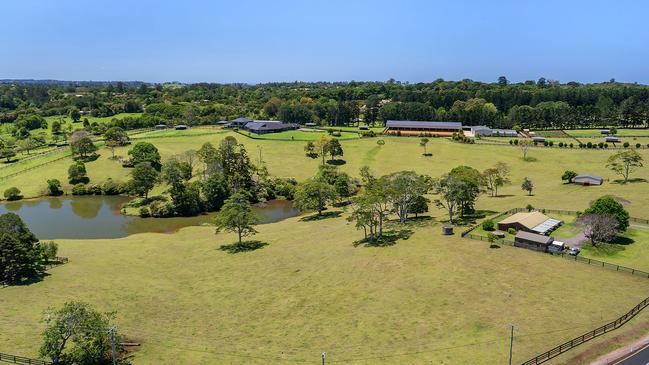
x=574, y=251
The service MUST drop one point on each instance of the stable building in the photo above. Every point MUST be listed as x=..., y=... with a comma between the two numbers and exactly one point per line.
x=533, y=222
x=409, y=127
x=484, y=131
x=612, y=139
x=533, y=241
x=238, y=123
x=588, y=179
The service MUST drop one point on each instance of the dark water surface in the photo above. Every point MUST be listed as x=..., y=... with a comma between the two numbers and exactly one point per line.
x=99, y=217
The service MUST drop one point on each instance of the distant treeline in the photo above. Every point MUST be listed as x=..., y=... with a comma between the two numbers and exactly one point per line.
x=540, y=104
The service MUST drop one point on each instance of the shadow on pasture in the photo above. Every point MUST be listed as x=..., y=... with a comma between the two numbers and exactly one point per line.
x=325, y=215
x=630, y=181
x=244, y=246
x=337, y=162
x=389, y=238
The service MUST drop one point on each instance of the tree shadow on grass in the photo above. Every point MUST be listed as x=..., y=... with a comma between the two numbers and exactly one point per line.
x=325, y=215
x=634, y=180
x=493, y=245
x=389, y=238
x=608, y=249
x=503, y=196
x=336, y=162
x=530, y=159
x=28, y=281
x=244, y=246
x=621, y=240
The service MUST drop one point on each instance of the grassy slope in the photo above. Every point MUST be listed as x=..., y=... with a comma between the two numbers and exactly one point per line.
x=597, y=133
x=429, y=296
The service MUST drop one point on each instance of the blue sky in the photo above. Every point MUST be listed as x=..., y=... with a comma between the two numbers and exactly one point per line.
x=262, y=41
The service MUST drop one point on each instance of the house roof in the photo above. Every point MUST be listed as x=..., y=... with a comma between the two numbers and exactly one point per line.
x=268, y=125
x=533, y=237
x=241, y=120
x=588, y=176
x=528, y=220
x=423, y=124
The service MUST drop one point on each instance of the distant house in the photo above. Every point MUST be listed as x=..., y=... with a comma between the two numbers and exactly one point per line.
x=180, y=127
x=161, y=126
x=612, y=139
x=605, y=131
x=588, y=179
x=269, y=126
x=538, y=139
x=409, y=127
x=533, y=222
x=363, y=127
x=532, y=241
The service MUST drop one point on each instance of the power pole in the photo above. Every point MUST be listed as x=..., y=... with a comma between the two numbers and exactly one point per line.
x=112, y=344
x=511, y=344
x=323, y=358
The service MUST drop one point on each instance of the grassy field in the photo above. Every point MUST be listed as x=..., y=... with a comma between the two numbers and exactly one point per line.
x=299, y=135
x=428, y=299
x=286, y=158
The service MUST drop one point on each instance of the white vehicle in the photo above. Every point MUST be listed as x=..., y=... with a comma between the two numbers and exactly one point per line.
x=556, y=247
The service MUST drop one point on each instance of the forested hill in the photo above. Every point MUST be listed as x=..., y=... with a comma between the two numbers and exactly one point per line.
x=532, y=104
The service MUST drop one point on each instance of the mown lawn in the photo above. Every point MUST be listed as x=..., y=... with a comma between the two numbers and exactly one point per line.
x=427, y=299
x=299, y=135
x=630, y=250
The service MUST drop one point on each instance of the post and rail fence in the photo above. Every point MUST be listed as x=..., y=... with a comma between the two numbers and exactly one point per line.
x=13, y=359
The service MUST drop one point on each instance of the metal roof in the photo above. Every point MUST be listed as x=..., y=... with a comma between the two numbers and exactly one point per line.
x=268, y=125
x=547, y=226
x=423, y=124
x=528, y=236
x=588, y=176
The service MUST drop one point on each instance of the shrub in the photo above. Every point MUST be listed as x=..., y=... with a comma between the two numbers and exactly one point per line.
x=516, y=142
x=511, y=230
x=145, y=212
x=93, y=189
x=560, y=144
x=489, y=225
x=336, y=134
x=111, y=188
x=589, y=144
x=54, y=187
x=638, y=145
x=50, y=250
x=511, y=142
x=79, y=189
x=13, y=193
x=161, y=209
x=546, y=143
x=626, y=144
x=601, y=144
x=551, y=143
x=571, y=145
x=529, y=207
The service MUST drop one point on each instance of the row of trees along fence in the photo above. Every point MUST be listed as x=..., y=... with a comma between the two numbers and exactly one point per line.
x=566, y=346
x=13, y=359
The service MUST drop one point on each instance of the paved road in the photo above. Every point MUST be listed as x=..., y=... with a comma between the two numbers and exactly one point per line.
x=637, y=358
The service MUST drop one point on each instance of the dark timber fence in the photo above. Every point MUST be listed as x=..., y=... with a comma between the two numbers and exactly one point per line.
x=13, y=359
x=568, y=345
x=611, y=326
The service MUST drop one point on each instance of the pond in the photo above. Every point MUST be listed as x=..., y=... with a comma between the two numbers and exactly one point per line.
x=99, y=217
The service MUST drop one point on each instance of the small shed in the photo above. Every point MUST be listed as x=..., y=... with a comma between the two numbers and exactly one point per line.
x=605, y=131
x=447, y=230
x=612, y=139
x=180, y=127
x=160, y=126
x=310, y=124
x=538, y=139
x=588, y=179
x=532, y=241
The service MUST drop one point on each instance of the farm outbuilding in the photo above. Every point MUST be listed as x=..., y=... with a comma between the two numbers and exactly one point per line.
x=588, y=179
x=612, y=139
x=534, y=222
x=181, y=127
x=532, y=241
x=407, y=127
x=538, y=139
x=269, y=126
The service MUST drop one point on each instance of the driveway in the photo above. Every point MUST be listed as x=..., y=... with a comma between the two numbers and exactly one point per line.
x=576, y=241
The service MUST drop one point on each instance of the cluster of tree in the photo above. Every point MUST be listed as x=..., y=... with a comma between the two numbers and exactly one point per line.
x=201, y=181
x=604, y=220
x=328, y=186
x=324, y=147
x=22, y=256
x=530, y=104
x=401, y=193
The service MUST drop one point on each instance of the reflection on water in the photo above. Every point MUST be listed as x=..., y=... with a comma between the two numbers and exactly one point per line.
x=99, y=217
